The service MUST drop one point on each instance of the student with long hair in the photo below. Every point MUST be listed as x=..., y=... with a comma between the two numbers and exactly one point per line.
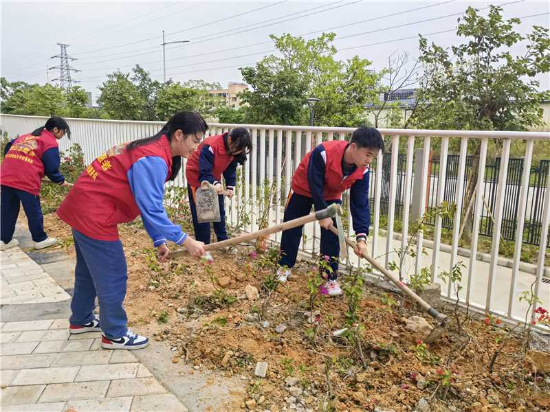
x=121, y=184
x=216, y=156
x=26, y=160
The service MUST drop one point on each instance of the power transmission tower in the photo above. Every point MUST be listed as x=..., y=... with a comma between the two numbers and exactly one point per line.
x=64, y=79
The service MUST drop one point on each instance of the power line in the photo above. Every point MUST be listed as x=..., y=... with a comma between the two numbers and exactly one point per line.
x=144, y=51
x=317, y=31
x=201, y=25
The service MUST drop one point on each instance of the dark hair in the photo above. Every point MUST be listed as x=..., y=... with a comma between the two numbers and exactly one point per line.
x=51, y=124
x=241, y=140
x=368, y=137
x=188, y=122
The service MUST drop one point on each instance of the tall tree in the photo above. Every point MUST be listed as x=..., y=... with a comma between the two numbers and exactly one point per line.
x=280, y=86
x=480, y=84
x=121, y=98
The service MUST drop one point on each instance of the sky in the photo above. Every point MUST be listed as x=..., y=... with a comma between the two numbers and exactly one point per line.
x=107, y=36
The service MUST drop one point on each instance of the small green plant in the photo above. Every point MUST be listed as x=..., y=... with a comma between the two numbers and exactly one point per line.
x=455, y=277
x=288, y=366
x=424, y=355
x=222, y=321
x=162, y=317
x=220, y=295
x=418, y=282
x=388, y=300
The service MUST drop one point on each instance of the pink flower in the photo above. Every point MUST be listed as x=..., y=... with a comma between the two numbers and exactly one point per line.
x=487, y=321
x=498, y=321
x=439, y=371
x=253, y=255
x=327, y=258
x=419, y=342
x=541, y=310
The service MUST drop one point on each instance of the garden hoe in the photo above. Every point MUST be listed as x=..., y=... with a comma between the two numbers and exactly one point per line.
x=333, y=211
x=440, y=318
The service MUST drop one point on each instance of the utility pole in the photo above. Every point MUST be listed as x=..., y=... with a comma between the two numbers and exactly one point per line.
x=65, y=80
x=163, y=44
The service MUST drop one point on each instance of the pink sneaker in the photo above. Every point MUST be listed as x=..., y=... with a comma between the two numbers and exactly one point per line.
x=333, y=288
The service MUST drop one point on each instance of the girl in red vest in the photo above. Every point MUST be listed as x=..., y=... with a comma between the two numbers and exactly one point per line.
x=217, y=155
x=117, y=187
x=26, y=160
x=320, y=179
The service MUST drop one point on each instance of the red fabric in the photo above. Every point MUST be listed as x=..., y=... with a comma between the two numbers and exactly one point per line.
x=221, y=160
x=102, y=198
x=22, y=167
x=335, y=183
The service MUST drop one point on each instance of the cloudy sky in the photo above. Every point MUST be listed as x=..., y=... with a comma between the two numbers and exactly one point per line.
x=223, y=35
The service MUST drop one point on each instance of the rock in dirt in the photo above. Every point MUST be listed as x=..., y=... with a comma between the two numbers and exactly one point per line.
x=265, y=324
x=419, y=325
x=539, y=360
x=251, y=292
x=226, y=358
x=291, y=381
x=250, y=404
x=295, y=391
x=251, y=317
x=261, y=369
x=280, y=328
x=422, y=405
x=339, y=332
x=224, y=281
x=175, y=359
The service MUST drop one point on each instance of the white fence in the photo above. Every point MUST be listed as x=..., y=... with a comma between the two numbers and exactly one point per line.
x=486, y=286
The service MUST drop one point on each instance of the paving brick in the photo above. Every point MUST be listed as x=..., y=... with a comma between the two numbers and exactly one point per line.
x=45, y=281
x=64, y=346
x=30, y=325
x=19, y=299
x=45, y=376
x=20, y=395
x=37, y=277
x=31, y=336
x=96, y=345
x=167, y=402
x=143, y=372
x=138, y=386
x=122, y=356
x=24, y=348
x=107, y=372
x=60, y=324
x=72, y=391
x=37, y=407
x=27, y=361
x=83, y=358
x=18, y=287
x=52, y=291
x=55, y=298
x=86, y=335
x=7, y=376
x=9, y=337
x=100, y=404
x=56, y=334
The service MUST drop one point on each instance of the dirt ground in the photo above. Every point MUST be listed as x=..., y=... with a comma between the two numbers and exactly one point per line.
x=229, y=316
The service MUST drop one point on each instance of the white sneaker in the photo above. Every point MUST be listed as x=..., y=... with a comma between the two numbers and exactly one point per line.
x=333, y=288
x=9, y=245
x=283, y=275
x=130, y=341
x=50, y=241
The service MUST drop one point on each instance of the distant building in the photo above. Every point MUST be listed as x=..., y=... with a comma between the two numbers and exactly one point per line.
x=90, y=101
x=231, y=94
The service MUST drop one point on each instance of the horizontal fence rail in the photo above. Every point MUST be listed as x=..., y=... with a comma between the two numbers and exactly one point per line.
x=499, y=197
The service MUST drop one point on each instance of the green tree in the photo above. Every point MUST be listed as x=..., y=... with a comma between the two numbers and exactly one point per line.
x=479, y=84
x=192, y=95
x=227, y=114
x=77, y=100
x=7, y=91
x=39, y=100
x=120, y=98
x=147, y=89
x=308, y=68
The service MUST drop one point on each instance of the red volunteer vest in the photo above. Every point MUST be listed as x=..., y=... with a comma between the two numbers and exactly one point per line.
x=22, y=167
x=221, y=160
x=102, y=198
x=335, y=182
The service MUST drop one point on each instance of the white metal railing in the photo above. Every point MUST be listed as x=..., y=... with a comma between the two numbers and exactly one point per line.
x=277, y=152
